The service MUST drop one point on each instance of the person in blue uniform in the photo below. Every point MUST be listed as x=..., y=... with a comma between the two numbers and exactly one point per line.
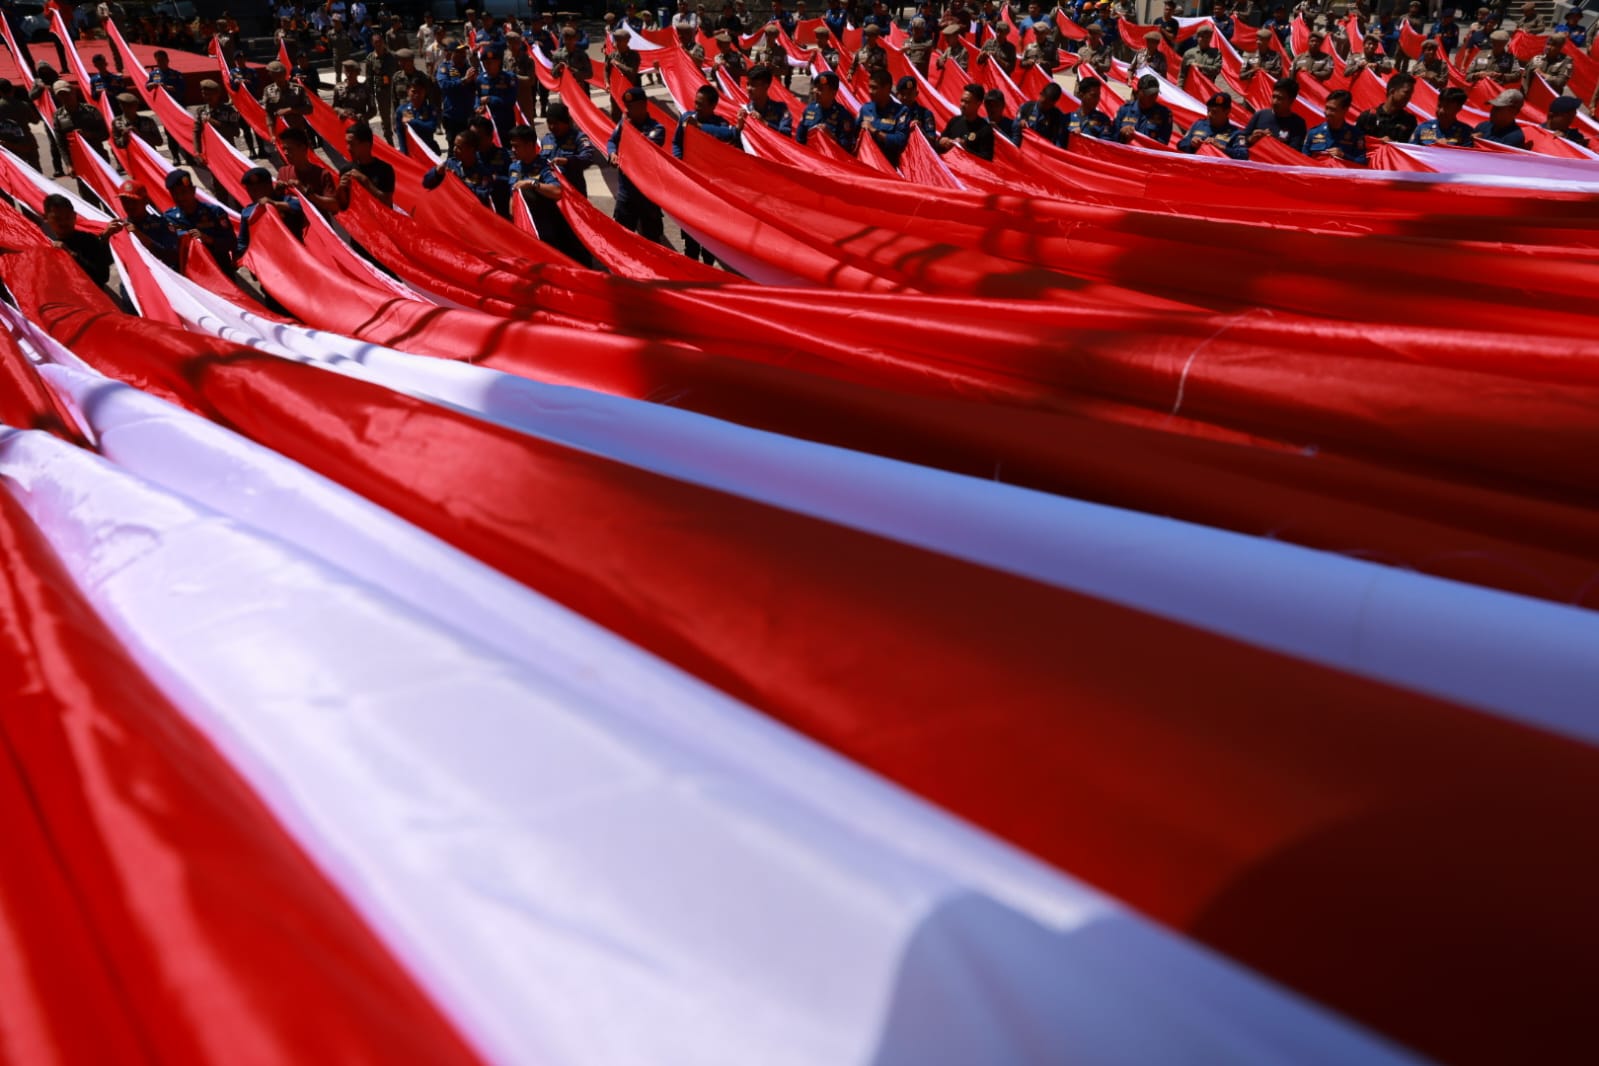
x=884, y=119
x=1447, y=128
x=418, y=115
x=1145, y=114
x=1446, y=31
x=635, y=211
x=825, y=112
x=457, y=87
x=705, y=119
x=165, y=76
x=994, y=110
x=567, y=148
x=773, y=114
x=1278, y=121
x=207, y=222
x=1044, y=117
x=531, y=176
x=1500, y=126
x=103, y=81
x=485, y=181
x=1562, y=119
x=908, y=92
x=260, y=194
x=497, y=89
x=150, y=228
x=1337, y=138
x=1217, y=128
x=969, y=129
x=1088, y=120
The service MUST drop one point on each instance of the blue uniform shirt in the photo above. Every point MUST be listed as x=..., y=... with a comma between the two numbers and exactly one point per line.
x=1093, y=123
x=716, y=126
x=775, y=115
x=1053, y=125
x=539, y=172
x=892, y=124
x=1433, y=132
x=1512, y=137
x=207, y=220
x=625, y=189
x=1348, y=140
x=1229, y=139
x=459, y=92
x=423, y=120
x=1155, y=123
x=922, y=118
x=497, y=92
x=835, y=120
x=171, y=80
x=578, y=152
x=484, y=179
x=291, y=205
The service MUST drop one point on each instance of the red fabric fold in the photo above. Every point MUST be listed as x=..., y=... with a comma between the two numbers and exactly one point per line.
x=1045, y=703
x=151, y=909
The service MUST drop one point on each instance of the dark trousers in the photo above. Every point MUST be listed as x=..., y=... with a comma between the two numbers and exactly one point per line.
x=556, y=232
x=640, y=215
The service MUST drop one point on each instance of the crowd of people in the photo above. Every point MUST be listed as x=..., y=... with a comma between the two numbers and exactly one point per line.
x=470, y=92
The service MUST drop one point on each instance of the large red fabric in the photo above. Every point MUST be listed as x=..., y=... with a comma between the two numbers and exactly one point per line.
x=1044, y=702
x=624, y=252
x=870, y=221
x=26, y=402
x=1542, y=551
x=151, y=910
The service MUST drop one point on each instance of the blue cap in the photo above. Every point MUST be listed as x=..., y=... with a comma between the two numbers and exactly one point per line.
x=177, y=176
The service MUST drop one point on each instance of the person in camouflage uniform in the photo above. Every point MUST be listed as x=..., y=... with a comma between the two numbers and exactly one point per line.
x=919, y=49
x=380, y=68
x=284, y=99
x=574, y=57
x=771, y=53
x=131, y=122
x=999, y=48
x=352, y=99
x=215, y=111
x=73, y=113
x=1044, y=52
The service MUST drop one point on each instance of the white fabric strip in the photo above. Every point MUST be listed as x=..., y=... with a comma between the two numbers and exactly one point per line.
x=578, y=877
x=1522, y=658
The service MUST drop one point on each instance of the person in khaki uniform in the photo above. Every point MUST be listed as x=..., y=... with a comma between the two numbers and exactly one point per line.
x=1263, y=60
x=1000, y=49
x=1095, y=52
x=824, y=47
x=954, y=49
x=919, y=49
x=217, y=111
x=352, y=98
x=380, y=68
x=1552, y=64
x=728, y=57
x=574, y=57
x=1150, y=56
x=284, y=99
x=771, y=53
x=1313, y=60
x=1498, y=64
x=1204, y=57
x=624, y=59
x=872, y=55
x=1370, y=58
x=1044, y=52
x=131, y=122
x=1430, y=66
x=1529, y=21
